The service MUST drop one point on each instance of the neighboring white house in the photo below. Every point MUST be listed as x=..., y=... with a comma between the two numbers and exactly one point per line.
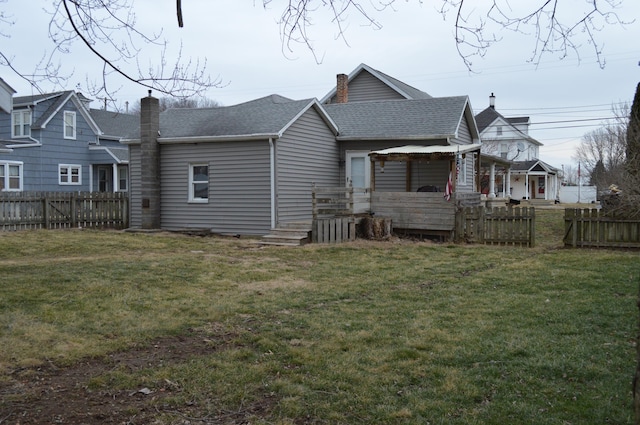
x=509, y=139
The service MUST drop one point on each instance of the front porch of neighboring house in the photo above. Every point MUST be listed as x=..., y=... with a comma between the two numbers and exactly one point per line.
x=495, y=180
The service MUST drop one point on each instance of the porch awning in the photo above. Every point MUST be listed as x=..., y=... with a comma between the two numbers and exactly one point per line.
x=401, y=153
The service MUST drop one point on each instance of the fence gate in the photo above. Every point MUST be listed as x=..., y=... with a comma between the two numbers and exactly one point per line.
x=496, y=226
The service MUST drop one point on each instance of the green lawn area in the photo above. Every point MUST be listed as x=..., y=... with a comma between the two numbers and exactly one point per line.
x=368, y=332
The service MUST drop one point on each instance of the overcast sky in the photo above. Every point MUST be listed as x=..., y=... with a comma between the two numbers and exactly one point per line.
x=242, y=45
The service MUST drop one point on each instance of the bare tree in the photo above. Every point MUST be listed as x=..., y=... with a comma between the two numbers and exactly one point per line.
x=555, y=26
x=179, y=103
x=601, y=152
x=108, y=29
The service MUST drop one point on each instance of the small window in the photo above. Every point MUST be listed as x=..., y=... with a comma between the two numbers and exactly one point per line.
x=69, y=174
x=11, y=176
x=504, y=150
x=499, y=130
x=69, y=125
x=198, y=182
x=21, y=123
x=123, y=179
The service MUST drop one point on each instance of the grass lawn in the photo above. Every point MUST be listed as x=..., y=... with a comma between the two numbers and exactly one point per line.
x=368, y=332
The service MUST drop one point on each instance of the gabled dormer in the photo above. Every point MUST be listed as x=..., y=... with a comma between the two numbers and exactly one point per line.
x=62, y=112
x=506, y=137
x=367, y=84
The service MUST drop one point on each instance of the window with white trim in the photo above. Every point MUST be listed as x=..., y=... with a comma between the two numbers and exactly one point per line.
x=69, y=174
x=21, y=123
x=123, y=178
x=69, y=125
x=10, y=176
x=504, y=150
x=198, y=182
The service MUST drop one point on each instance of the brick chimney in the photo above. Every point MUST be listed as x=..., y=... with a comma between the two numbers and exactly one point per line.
x=492, y=101
x=342, y=88
x=150, y=161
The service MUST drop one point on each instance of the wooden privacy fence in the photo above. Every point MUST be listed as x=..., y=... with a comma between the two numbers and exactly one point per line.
x=592, y=228
x=61, y=210
x=496, y=226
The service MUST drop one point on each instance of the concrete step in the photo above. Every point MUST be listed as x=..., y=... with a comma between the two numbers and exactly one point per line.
x=286, y=237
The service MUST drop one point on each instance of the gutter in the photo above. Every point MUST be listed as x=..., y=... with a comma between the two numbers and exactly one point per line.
x=226, y=138
x=272, y=178
x=396, y=138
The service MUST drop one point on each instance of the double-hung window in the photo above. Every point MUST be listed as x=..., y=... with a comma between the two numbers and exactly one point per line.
x=69, y=125
x=21, y=123
x=198, y=182
x=69, y=174
x=10, y=176
x=123, y=178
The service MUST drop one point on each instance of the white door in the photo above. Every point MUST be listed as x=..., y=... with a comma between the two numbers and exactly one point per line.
x=358, y=175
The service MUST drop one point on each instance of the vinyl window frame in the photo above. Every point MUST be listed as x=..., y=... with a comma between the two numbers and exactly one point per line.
x=67, y=170
x=21, y=121
x=194, y=182
x=69, y=123
x=6, y=177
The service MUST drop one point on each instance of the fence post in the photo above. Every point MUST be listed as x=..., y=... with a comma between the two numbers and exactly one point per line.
x=73, y=209
x=46, y=211
x=532, y=229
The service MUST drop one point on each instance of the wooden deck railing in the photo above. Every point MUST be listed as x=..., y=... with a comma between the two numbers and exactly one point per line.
x=59, y=210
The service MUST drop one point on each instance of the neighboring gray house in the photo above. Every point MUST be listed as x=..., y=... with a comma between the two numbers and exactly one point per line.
x=247, y=168
x=54, y=142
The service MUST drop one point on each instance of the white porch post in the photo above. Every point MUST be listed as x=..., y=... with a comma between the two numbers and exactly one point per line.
x=90, y=177
x=492, y=180
x=114, y=177
x=546, y=187
x=508, y=182
x=526, y=186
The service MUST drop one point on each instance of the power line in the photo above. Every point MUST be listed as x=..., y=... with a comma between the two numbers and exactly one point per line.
x=579, y=120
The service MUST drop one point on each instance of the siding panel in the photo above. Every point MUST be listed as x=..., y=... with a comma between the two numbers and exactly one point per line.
x=239, y=189
x=365, y=87
x=306, y=154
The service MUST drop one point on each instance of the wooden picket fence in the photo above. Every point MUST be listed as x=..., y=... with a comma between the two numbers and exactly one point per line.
x=63, y=210
x=333, y=230
x=496, y=226
x=587, y=228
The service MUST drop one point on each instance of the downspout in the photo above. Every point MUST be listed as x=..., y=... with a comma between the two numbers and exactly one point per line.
x=272, y=178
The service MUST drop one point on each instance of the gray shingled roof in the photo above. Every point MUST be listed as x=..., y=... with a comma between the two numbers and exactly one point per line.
x=413, y=92
x=268, y=116
x=115, y=124
x=489, y=115
x=486, y=117
x=399, y=119
x=531, y=165
x=62, y=98
x=29, y=100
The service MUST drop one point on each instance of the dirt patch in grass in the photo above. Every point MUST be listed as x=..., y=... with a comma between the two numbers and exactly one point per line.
x=63, y=395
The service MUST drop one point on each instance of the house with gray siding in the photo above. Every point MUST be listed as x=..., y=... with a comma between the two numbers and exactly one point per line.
x=248, y=168
x=55, y=142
